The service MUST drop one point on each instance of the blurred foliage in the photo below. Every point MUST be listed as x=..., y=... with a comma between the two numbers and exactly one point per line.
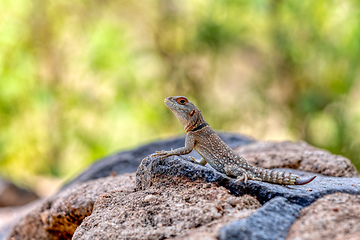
x=82, y=79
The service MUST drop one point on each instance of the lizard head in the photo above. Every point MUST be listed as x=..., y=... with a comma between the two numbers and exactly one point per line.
x=187, y=113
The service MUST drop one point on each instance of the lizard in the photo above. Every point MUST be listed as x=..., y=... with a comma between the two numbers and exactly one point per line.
x=214, y=151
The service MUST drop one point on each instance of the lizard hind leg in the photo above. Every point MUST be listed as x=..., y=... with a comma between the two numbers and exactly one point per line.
x=236, y=171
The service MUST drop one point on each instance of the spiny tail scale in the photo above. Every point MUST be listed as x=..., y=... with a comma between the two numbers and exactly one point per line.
x=279, y=177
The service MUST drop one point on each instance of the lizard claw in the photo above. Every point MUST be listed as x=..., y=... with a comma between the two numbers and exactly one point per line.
x=243, y=178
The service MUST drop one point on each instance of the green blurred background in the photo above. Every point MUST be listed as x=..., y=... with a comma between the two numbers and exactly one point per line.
x=80, y=80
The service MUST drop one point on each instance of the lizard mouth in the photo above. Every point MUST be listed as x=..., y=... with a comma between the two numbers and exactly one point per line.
x=170, y=104
x=176, y=109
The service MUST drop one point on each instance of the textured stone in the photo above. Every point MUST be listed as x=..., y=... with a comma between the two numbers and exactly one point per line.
x=272, y=221
x=9, y=215
x=153, y=170
x=52, y=219
x=297, y=155
x=165, y=210
x=180, y=199
x=59, y=216
x=336, y=216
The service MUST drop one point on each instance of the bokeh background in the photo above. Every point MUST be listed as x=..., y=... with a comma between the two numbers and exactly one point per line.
x=80, y=80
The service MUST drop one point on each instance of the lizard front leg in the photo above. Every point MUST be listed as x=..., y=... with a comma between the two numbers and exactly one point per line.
x=189, y=146
x=240, y=173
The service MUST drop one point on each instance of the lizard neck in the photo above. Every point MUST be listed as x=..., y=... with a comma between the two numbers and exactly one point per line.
x=200, y=127
x=197, y=125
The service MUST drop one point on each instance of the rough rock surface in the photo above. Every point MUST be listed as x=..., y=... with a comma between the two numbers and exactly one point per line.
x=297, y=155
x=275, y=217
x=119, y=163
x=59, y=216
x=128, y=161
x=162, y=211
x=179, y=198
x=153, y=169
x=336, y=216
x=8, y=215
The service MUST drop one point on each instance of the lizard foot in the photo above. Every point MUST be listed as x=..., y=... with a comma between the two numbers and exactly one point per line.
x=238, y=172
x=161, y=153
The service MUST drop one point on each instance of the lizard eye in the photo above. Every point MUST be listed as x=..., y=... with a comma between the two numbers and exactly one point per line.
x=181, y=101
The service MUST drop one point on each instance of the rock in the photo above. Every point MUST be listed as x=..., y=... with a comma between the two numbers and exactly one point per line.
x=9, y=215
x=31, y=227
x=59, y=216
x=178, y=198
x=13, y=201
x=153, y=170
x=128, y=161
x=297, y=155
x=272, y=221
x=12, y=195
x=164, y=210
x=336, y=216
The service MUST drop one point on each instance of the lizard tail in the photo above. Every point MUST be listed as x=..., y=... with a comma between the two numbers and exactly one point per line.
x=274, y=176
x=299, y=181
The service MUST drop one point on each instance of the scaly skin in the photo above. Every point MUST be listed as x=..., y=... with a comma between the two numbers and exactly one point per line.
x=201, y=137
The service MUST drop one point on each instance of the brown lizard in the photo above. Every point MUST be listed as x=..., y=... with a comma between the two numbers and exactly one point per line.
x=201, y=137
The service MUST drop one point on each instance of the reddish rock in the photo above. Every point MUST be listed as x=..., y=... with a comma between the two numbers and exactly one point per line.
x=335, y=216
x=177, y=198
x=59, y=216
x=165, y=210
